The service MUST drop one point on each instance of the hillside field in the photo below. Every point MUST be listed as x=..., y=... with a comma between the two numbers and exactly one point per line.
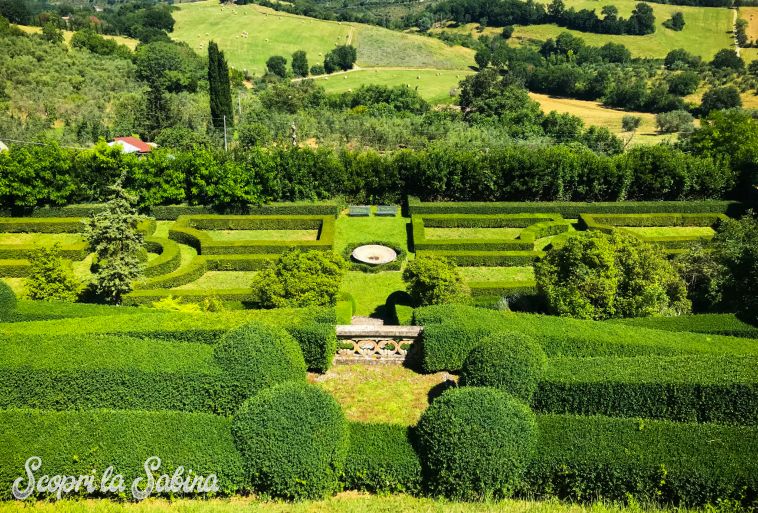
x=707, y=29
x=275, y=33
x=131, y=43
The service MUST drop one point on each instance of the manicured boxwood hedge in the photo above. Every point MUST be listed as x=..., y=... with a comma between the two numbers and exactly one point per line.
x=451, y=331
x=571, y=210
x=171, y=212
x=586, y=458
x=48, y=310
x=355, y=265
x=168, y=260
x=691, y=388
x=17, y=268
x=486, y=258
x=318, y=341
x=190, y=230
x=382, y=459
x=716, y=324
x=77, y=251
x=75, y=442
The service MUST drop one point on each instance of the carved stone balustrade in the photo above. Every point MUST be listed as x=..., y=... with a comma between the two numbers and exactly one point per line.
x=375, y=344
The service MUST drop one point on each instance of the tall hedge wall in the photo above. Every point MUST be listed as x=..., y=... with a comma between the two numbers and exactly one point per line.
x=74, y=443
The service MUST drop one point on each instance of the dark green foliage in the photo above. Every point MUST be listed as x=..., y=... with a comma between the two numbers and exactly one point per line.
x=716, y=324
x=475, y=443
x=432, y=280
x=318, y=342
x=720, y=98
x=277, y=65
x=50, y=277
x=219, y=87
x=95, y=43
x=294, y=440
x=679, y=58
x=341, y=58
x=125, y=439
x=256, y=356
x=586, y=458
x=8, y=300
x=300, y=278
x=684, y=83
x=728, y=59
x=676, y=22
x=509, y=361
x=300, y=64
x=711, y=388
x=382, y=459
x=599, y=276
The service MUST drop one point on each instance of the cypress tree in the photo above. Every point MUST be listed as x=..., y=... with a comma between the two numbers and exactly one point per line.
x=219, y=87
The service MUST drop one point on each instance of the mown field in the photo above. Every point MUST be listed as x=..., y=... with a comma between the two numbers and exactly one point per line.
x=706, y=30
x=131, y=43
x=275, y=33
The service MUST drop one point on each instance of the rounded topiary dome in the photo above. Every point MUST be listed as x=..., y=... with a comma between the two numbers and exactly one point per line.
x=255, y=356
x=510, y=361
x=294, y=440
x=475, y=443
x=7, y=297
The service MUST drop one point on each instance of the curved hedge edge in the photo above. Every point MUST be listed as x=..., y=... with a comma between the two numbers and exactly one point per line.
x=547, y=229
x=395, y=265
x=169, y=259
x=149, y=296
x=191, y=272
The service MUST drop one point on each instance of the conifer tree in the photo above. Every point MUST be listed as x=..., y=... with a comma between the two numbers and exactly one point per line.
x=219, y=86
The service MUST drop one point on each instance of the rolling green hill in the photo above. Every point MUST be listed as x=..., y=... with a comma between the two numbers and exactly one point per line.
x=250, y=34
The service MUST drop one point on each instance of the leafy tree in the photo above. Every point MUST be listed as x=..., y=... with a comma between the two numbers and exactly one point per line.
x=253, y=134
x=277, y=65
x=318, y=69
x=95, y=43
x=433, y=281
x=728, y=59
x=300, y=64
x=507, y=31
x=15, y=11
x=600, y=276
x=51, y=277
x=720, y=98
x=679, y=58
x=630, y=123
x=113, y=236
x=52, y=34
x=740, y=32
x=674, y=121
x=219, y=87
x=676, y=22
x=341, y=58
x=174, y=67
x=683, y=83
x=482, y=57
x=642, y=20
x=300, y=278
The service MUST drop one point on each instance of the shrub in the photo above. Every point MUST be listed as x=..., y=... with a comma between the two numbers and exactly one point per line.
x=300, y=278
x=475, y=443
x=674, y=121
x=294, y=440
x=586, y=458
x=509, y=361
x=431, y=280
x=76, y=442
x=599, y=276
x=255, y=356
x=318, y=343
x=381, y=459
x=50, y=277
x=7, y=297
x=720, y=98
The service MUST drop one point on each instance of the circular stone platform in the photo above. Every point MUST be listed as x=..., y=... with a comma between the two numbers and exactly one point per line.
x=374, y=254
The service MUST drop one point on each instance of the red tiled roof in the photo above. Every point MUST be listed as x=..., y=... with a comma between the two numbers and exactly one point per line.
x=142, y=146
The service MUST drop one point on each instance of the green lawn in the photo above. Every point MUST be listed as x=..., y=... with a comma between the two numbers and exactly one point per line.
x=379, y=393
x=250, y=34
x=472, y=233
x=433, y=85
x=370, y=290
x=366, y=229
x=671, y=231
x=221, y=280
x=349, y=502
x=514, y=274
x=232, y=235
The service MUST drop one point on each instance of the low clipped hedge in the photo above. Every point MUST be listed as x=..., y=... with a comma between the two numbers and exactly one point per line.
x=74, y=252
x=571, y=210
x=691, y=388
x=716, y=324
x=590, y=458
x=8, y=301
x=190, y=230
x=475, y=443
x=486, y=258
x=355, y=265
x=168, y=260
x=76, y=442
x=507, y=361
x=318, y=342
x=382, y=459
x=16, y=268
x=451, y=331
x=41, y=225
x=345, y=308
x=293, y=439
x=171, y=212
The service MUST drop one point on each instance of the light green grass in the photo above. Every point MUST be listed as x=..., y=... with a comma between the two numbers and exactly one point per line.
x=41, y=239
x=234, y=235
x=221, y=280
x=472, y=233
x=371, y=290
x=379, y=393
x=671, y=231
x=433, y=85
x=514, y=274
x=365, y=229
x=349, y=502
x=276, y=33
x=67, y=35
